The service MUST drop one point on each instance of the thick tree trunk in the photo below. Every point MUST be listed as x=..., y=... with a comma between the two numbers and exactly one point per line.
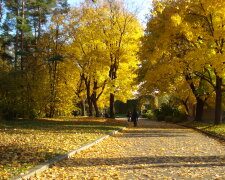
x=199, y=109
x=52, y=111
x=90, y=108
x=88, y=93
x=89, y=98
x=186, y=108
x=112, y=113
x=96, y=108
x=218, y=107
x=200, y=103
x=82, y=105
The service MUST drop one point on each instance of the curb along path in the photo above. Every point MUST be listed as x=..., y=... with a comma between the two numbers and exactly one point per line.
x=153, y=150
x=44, y=166
x=222, y=138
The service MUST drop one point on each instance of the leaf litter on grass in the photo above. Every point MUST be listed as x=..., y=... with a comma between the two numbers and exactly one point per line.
x=26, y=143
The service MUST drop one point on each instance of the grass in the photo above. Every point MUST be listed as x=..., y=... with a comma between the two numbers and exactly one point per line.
x=26, y=143
x=121, y=115
x=218, y=130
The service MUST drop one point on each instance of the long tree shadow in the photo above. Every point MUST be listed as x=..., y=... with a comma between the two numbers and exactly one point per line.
x=151, y=132
x=73, y=123
x=59, y=125
x=145, y=124
x=153, y=161
x=85, y=125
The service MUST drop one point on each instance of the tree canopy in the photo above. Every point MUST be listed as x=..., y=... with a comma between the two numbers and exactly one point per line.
x=183, y=44
x=56, y=59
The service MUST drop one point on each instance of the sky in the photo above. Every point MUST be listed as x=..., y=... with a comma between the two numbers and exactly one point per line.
x=143, y=7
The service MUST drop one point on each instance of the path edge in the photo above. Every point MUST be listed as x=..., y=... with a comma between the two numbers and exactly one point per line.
x=217, y=137
x=44, y=166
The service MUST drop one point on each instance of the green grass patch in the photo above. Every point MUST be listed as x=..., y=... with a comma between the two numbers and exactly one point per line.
x=121, y=115
x=26, y=143
x=218, y=130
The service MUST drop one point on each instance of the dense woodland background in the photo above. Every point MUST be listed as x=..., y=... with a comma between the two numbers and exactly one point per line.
x=55, y=60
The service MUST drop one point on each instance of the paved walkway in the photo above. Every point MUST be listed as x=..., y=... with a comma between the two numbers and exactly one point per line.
x=153, y=150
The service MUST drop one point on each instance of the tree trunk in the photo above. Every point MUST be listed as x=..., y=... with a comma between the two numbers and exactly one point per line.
x=90, y=107
x=96, y=108
x=186, y=107
x=200, y=103
x=17, y=38
x=82, y=105
x=112, y=113
x=16, y=50
x=112, y=75
x=95, y=97
x=199, y=109
x=218, y=107
x=1, y=5
x=89, y=98
x=39, y=23
x=53, y=84
x=22, y=37
x=52, y=111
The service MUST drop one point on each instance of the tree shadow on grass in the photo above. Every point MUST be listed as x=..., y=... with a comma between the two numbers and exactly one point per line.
x=82, y=125
x=153, y=161
x=86, y=125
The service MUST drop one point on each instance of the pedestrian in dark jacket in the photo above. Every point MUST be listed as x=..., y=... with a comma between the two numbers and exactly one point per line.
x=134, y=117
x=129, y=116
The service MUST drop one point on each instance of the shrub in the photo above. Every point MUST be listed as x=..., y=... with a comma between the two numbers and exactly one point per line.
x=148, y=114
x=169, y=114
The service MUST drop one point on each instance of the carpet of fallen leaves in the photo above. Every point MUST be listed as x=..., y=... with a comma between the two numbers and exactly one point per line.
x=153, y=150
x=26, y=143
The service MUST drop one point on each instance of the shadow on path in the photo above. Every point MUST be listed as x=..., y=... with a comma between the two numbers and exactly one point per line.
x=151, y=133
x=155, y=161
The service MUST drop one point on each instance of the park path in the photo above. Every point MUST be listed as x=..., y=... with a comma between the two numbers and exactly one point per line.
x=153, y=150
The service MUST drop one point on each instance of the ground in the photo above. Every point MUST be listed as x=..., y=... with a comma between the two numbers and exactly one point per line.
x=153, y=150
x=25, y=143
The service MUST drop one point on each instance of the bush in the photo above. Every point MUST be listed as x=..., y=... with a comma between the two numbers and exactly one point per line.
x=148, y=114
x=169, y=114
x=169, y=110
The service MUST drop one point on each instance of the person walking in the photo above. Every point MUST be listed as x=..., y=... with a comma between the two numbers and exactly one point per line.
x=129, y=116
x=134, y=117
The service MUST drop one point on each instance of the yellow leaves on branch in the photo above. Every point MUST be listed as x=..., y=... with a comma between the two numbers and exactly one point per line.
x=110, y=39
x=176, y=19
x=188, y=35
x=158, y=7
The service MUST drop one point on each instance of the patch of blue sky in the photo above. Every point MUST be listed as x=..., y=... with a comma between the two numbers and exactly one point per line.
x=140, y=7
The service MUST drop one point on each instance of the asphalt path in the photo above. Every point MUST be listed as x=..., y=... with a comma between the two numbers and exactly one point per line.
x=152, y=150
